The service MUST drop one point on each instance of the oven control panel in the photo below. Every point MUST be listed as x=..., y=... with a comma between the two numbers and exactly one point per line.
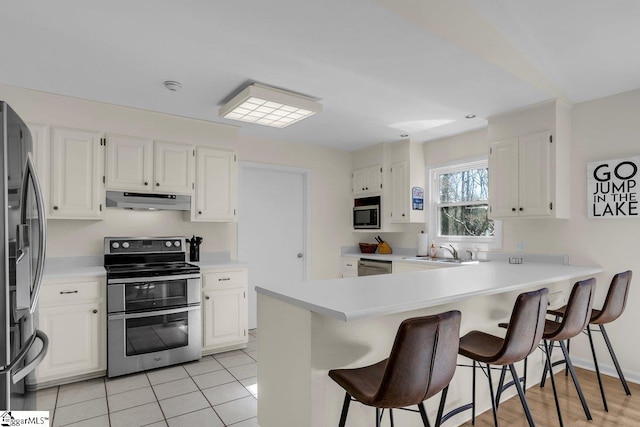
x=120, y=245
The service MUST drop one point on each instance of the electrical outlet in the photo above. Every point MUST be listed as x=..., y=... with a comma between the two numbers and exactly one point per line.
x=521, y=246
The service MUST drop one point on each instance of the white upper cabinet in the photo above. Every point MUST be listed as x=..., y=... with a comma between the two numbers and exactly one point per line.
x=129, y=163
x=173, y=167
x=407, y=172
x=519, y=176
x=139, y=164
x=77, y=168
x=216, y=185
x=367, y=181
x=529, y=168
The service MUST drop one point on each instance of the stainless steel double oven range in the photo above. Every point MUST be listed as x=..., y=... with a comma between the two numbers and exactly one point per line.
x=153, y=304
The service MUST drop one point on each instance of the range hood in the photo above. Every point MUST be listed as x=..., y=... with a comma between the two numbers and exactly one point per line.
x=148, y=201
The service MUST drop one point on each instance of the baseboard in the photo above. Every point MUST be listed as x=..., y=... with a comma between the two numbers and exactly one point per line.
x=606, y=369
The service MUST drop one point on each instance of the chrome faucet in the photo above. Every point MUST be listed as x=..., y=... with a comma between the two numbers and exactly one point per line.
x=452, y=251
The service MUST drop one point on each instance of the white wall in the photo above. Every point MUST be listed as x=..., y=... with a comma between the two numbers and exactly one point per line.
x=330, y=178
x=603, y=129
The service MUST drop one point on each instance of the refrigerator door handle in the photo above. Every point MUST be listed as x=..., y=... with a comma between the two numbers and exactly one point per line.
x=30, y=366
x=42, y=229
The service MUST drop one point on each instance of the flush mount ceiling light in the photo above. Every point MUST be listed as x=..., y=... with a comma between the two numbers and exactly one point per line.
x=416, y=126
x=470, y=116
x=268, y=106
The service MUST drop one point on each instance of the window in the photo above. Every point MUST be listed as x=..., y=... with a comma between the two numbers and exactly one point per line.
x=459, y=197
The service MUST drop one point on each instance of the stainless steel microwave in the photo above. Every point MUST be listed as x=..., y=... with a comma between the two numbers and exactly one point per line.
x=366, y=217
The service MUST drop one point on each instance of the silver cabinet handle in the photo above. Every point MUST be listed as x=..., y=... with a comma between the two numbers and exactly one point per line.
x=224, y=279
x=207, y=297
x=300, y=254
x=68, y=292
x=94, y=311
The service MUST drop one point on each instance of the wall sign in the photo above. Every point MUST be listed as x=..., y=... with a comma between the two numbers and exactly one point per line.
x=612, y=188
x=417, y=196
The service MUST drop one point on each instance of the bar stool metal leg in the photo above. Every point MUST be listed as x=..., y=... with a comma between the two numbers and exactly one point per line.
x=473, y=397
x=547, y=353
x=615, y=360
x=595, y=362
x=443, y=399
x=575, y=381
x=493, y=397
x=345, y=409
x=523, y=400
x=423, y=414
x=391, y=416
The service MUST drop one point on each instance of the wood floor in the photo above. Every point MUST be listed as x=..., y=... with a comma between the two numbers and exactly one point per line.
x=623, y=410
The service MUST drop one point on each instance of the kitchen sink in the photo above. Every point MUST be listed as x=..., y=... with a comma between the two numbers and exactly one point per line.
x=445, y=260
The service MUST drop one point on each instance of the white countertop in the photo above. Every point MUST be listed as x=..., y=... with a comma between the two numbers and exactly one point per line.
x=370, y=296
x=92, y=266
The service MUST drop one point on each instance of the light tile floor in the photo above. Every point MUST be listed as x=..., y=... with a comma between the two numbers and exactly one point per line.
x=219, y=390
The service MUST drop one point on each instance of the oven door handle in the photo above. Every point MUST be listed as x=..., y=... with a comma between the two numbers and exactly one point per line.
x=152, y=279
x=126, y=316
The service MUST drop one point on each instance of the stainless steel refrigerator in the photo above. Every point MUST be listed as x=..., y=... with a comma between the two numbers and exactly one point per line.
x=22, y=253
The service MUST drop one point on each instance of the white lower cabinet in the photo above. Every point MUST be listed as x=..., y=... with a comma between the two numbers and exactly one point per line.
x=224, y=310
x=72, y=314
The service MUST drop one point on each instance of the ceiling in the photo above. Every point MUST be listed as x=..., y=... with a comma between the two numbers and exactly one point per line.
x=370, y=63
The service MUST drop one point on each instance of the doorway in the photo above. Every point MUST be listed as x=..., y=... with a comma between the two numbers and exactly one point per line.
x=272, y=226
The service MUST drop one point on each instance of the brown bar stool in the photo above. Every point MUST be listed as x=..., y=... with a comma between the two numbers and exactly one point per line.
x=576, y=318
x=421, y=364
x=614, y=305
x=523, y=335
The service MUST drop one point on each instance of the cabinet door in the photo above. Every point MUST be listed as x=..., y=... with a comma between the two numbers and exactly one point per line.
x=74, y=341
x=173, y=167
x=359, y=181
x=129, y=163
x=503, y=178
x=216, y=185
x=77, y=166
x=374, y=179
x=224, y=317
x=367, y=180
x=400, y=188
x=535, y=194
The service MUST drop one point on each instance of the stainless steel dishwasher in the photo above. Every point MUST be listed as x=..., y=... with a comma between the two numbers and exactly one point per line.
x=371, y=267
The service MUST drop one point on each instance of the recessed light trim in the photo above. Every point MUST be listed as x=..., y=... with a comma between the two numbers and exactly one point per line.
x=268, y=106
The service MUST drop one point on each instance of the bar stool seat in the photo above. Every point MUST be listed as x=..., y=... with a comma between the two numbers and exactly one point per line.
x=421, y=364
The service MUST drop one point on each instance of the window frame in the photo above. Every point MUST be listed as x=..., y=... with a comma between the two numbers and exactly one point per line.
x=433, y=221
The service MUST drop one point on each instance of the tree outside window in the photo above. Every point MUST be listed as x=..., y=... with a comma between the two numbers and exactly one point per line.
x=459, y=206
x=463, y=203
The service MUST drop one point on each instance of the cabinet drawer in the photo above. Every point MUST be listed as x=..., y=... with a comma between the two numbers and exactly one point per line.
x=224, y=279
x=70, y=292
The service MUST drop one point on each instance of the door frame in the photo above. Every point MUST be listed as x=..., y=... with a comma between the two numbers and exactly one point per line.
x=306, y=207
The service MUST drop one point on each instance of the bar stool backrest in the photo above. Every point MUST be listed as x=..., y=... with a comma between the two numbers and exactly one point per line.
x=578, y=312
x=525, y=327
x=422, y=360
x=616, y=299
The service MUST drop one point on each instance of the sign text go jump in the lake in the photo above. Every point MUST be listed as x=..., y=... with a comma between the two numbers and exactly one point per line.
x=612, y=188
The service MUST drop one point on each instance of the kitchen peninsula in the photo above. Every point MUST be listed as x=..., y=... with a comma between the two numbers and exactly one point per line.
x=306, y=329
